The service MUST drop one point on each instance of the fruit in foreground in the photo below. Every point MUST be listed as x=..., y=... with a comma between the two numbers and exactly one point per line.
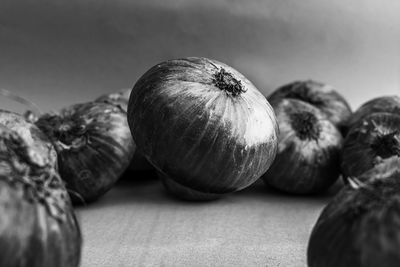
x=360, y=227
x=31, y=134
x=203, y=125
x=38, y=227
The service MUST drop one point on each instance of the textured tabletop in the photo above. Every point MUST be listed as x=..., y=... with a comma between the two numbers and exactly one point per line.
x=138, y=224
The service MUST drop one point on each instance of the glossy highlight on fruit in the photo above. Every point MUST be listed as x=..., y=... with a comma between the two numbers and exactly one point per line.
x=203, y=125
x=320, y=95
x=386, y=104
x=308, y=153
x=372, y=147
x=94, y=147
x=38, y=227
x=360, y=227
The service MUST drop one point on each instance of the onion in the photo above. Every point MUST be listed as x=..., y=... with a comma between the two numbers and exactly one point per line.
x=38, y=227
x=31, y=135
x=94, y=147
x=121, y=99
x=203, y=125
x=372, y=147
x=320, y=95
x=360, y=227
x=387, y=104
x=308, y=152
x=183, y=192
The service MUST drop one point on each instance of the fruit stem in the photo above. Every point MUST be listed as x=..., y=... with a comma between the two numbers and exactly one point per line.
x=305, y=125
x=63, y=131
x=387, y=145
x=226, y=82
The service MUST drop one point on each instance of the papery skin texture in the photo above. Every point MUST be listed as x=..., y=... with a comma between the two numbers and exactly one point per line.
x=304, y=166
x=31, y=135
x=387, y=104
x=94, y=147
x=320, y=95
x=360, y=227
x=121, y=99
x=366, y=154
x=38, y=227
x=203, y=137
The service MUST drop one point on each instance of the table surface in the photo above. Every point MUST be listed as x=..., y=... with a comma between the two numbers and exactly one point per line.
x=138, y=224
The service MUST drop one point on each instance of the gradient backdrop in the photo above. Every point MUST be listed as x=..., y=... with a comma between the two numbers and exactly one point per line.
x=61, y=52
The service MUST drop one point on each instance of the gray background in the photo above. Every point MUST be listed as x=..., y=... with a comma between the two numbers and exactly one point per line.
x=61, y=52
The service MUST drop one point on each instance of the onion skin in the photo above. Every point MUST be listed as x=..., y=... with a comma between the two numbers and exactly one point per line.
x=386, y=104
x=38, y=227
x=304, y=164
x=320, y=95
x=360, y=227
x=121, y=99
x=371, y=149
x=203, y=124
x=93, y=144
x=183, y=192
x=30, y=134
